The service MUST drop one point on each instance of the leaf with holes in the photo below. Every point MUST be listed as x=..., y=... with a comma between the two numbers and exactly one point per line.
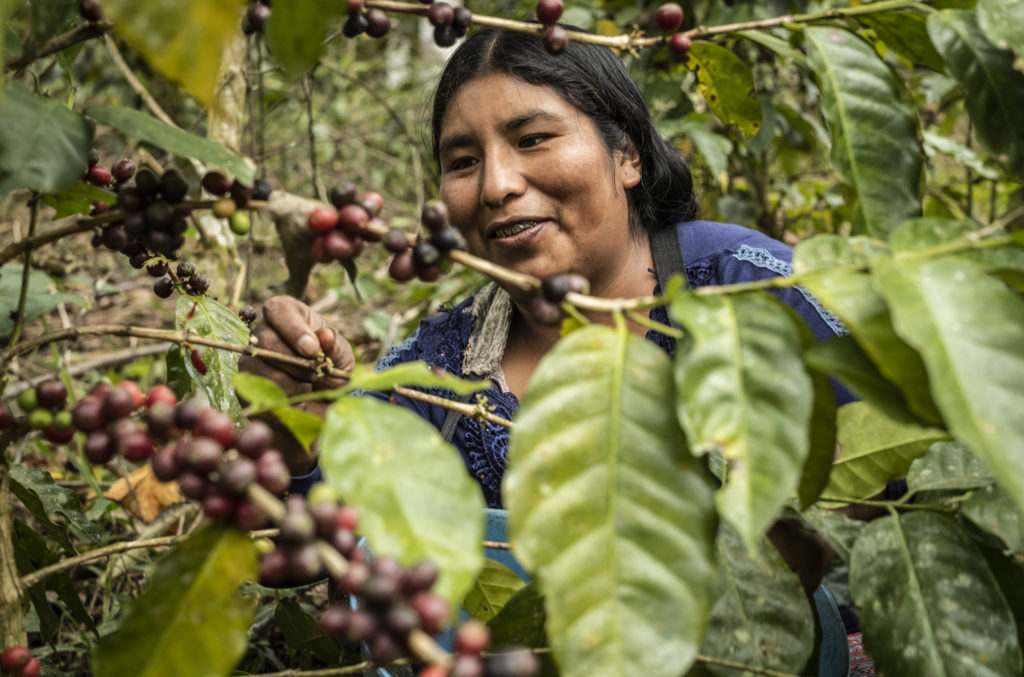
x=875, y=148
x=609, y=510
x=929, y=604
x=726, y=84
x=741, y=389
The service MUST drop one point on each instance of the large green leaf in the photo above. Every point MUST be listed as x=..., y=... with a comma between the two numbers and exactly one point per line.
x=969, y=329
x=43, y=145
x=761, y=615
x=137, y=125
x=302, y=631
x=1009, y=573
x=493, y=587
x=609, y=510
x=296, y=31
x=40, y=297
x=929, y=604
x=995, y=91
x=875, y=148
x=192, y=619
x=418, y=374
x=726, y=84
x=37, y=490
x=875, y=449
x=947, y=466
x=521, y=620
x=183, y=40
x=851, y=296
x=77, y=199
x=206, y=317
x=991, y=509
x=906, y=34
x=1003, y=23
x=741, y=389
x=411, y=488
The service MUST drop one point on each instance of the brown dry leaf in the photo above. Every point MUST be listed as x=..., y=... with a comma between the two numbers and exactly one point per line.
x=153, y=495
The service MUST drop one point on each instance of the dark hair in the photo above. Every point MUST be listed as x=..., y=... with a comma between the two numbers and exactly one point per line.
x=596, y=82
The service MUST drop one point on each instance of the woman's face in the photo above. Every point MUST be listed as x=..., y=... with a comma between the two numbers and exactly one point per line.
x=531, y=185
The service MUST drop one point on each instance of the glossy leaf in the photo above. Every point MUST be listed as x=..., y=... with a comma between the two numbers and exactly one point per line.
x=906, y=34
x=1003, y=23
x=726, y=84
x=493, y=587
x=49, y=498
x=178, y=378
x=874, y=131
x=934, y=143
x=183, y=40
x=47, y=20
x=206, y=317
x=991, y=509
x=761, y=615
x=974, y=352
x=994, y=90
x=947, y=466
x=875, y=449
x=137, y=125
x=1009, y=573
x=77, y=199
x=411, y=374
x=840, y=531
x=929, y=604
x=43, y=145
x=521, y=621
x=303, y=632
x=264, y=393
x=414, y=496
x=193, y=589
x=609, y=510
x=40, y=297
x=295, y=36
x=742, y=390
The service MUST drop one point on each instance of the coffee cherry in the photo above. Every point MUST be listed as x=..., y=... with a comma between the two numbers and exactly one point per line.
x=334, y=621
x=147, y=182
x=117, y=404
x=90, y=11
x=322, y=219
x=345, y=542
x=163, y=287
x=240, y=223
x=138, y=397
x=94, y=157
x=14, y=657
x=99, y=447
x=377, y=23
x=549, y=11
x=297, y=526
x=238, y=475
x=197, y=361
x=40, y=418
x=197, y=286
x=355, y=578
x=224, y=208
x=164, y=464
x=97, y=207
x=396, y=241
x=217, y=426
x=249, y=515
x=272, y=473
x=123, y=170
x=253, y=439
x=424, y=255
x=466, y=666
x=57, y=435
x=256, y=16
x=99, y=391
x=240, y=193
x=512, y=662
x=384, y=649
x=448, y=239
x=158, y=269
x=354, y=25
x=544, y=311
x=555, y=39
x=462, y=20
x=173, y=186
x=261, y=189
x=472, y=638
x=186, y=415
x=247, y=314
x=115, y=237
x=679, y=43
x=186, y=269
x=371, y=201
x=137, y=446
x=555, y=287
x=6, y=417
x=402, y=268
x=216, y=183
x=445, y=35
x=342, y=195
x=338, y=246
x=434, y=215
x=51, y=394
x=348, y=518
x=204, y=455
x=432, y=610
x=88, y=415
x=361, y=626
x=160, y=393
x=160, y=418
x=352, y=219
x=31, y=669
x=192, y=485
x=304, y=563
x=98, y=176
x=440, y=13
x=420, y=577
x=669, y=17
x=433, y=671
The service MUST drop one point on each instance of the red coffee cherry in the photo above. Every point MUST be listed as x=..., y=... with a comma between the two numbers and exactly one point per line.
x=216, y=183
x=217, y=426
x=555, y=39
x=161, y=393
x=679, y=43
x=6, y=417
x=371, y=201
x=138, y=397
x=51, y=394
x=440, y=13
x=197, y=362
x=669, y=17
x=14, y=657
x=322, y=219
x=353, y=219
x=549, y=11
x=98, y=176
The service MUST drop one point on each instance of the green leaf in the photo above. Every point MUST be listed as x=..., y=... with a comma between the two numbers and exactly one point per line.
x=1008, y=574
x=52, y=499
x=974, y=352
x=305, y=426
x=43, y=145
x=875, y=449
x=761, y=615
x=183, y=40
x=47, y=20
x=947, y=466
x=609, y=510
x=303, y=633
x=994, y=90
x=413, y=374
x=39, y=299
x=521, y=621
x=1003, y=23
x=713, y=148
x=137, y=125
x=726, y=84
x=206, y=317
x=265, y=394
x=906, y=34
x=192, y=619
x=929, y=604
x=491, y=590
x=776, y=44
x=741, y=389
x=935, y=143
x=295, y=36
x=414, y=496
x=77, y=199
x=840, y=531
x=875, y=149
x=178, y=378
x=991, y=509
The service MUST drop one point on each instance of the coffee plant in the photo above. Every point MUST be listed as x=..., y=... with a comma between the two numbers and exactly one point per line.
x=207, y=141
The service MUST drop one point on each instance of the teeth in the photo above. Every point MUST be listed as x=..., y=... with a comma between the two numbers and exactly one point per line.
x=509, y=231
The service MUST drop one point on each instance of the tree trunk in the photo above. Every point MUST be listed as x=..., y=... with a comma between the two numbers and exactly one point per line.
x=12, y=617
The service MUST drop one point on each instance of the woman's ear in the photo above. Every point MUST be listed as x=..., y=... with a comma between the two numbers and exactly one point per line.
x=629, y=167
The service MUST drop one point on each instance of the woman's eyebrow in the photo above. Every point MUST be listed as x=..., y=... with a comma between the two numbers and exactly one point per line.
x=465, y=140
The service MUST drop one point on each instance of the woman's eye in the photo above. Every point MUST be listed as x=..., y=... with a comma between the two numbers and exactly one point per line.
x=460, y=163
x=532, y=140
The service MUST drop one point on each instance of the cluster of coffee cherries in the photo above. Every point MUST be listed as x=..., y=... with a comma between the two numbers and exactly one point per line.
x=374, y=22
x=303, y=529
x=450, y=23
x=256, y=16
x=555, y=38
x=189, y=280
x=471, y=640
x=669, y=17
x=44, y=407
x=234, y=198
x=546, y=306
x=18, y=661
x=425, y=257
x=106, y=417
x=343, y=229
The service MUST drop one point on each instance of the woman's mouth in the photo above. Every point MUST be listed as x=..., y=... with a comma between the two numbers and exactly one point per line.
x=512, y=229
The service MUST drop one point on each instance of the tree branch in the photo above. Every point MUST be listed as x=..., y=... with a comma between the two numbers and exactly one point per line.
x=133, y=82
x=58, y=43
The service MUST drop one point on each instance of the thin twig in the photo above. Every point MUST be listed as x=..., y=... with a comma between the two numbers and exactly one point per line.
x=133, y=82
x=19, y=314
x=58, y=43
x=307, y=95
x=31, y=579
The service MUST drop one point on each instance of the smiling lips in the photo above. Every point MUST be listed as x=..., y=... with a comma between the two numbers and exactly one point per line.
x=511, y=229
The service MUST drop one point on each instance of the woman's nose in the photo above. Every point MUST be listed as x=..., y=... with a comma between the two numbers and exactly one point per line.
x=502, y=179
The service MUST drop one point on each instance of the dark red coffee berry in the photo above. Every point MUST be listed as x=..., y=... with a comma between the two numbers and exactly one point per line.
x=115, y=237
x=98, y=175
x=434, y=215
x=216, y=425
x=161, y=393
x=256, y=16
x=334, y=621
x=164, y=464
x=511, y=662
x=445, y=35
x=271, y=472
x=679, y=43
x=402, y=268
x=123, y=170
x=544, y=311
x=197, y=286
x=395, y=240
x=204, y=455
x=352, y=219
x=147, y=181
x=138, y=397
x=247, y=314
x=466, y=666
x=14, y=657
x=549, y=11
x=253, y=439
x=448, y=239
x=361, y=626
x=240, y=193
x=669, y=17
x=384, y=649
x=157, y=269
x=163, y=287
x=197, y=361
x=94, y=157
x=339, y=246
x=440, y=13
x=249, y=515
x=186, y=269
x=420, y=577
x=6, y=417
x=238, y=475
x=401, y=619
x=99, y=447
x=555, y=287
x=355, y=578
x=425, y=255
x=354, y=25
x=117, y=404
x=555, y=39
x=433, y=611
x=297, y=526
x=371, y=201
x=90, y=10
x=173, y=186
x=304, y=563
x=192, y=485
x=345, y=194
x=462, y=20
x=322, y=219
x=261, y=189
x=160, y=418
x=138, y=259
x=51, y=394
x=136, y=447
x=472, y=638
x=377, y=23
x=218, y=505
x=216, y=183
x=186, y=415
x=31, y=668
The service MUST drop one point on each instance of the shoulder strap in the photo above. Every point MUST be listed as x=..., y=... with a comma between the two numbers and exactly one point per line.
x=452, y=419
x=668, y=255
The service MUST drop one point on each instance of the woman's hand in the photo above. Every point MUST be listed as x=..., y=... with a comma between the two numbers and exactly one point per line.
x=293, y=328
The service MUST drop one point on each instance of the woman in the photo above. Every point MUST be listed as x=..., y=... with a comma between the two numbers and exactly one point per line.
x=548, y=164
